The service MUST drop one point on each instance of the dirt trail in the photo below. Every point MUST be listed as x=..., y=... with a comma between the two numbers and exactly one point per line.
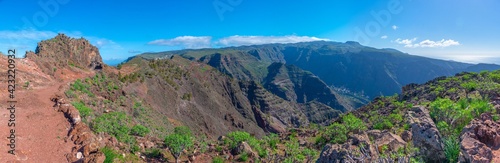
x=40, y=130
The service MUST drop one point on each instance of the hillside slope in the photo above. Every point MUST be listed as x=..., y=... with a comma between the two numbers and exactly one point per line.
x=359, y=69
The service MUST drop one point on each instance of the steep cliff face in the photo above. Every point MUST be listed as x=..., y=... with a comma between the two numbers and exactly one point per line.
x=208, y=101
x=359, y=69
x=296, y=85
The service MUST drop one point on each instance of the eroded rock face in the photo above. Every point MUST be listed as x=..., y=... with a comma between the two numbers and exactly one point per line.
x=63, y=51
x=425, y=134
x=392, y=141
x=358, y=148
x=478, y=138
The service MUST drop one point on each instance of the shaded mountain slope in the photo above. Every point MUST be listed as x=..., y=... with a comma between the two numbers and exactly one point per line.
x=360, y=69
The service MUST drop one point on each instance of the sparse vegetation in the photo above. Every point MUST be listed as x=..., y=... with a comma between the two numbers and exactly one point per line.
x=84, y=110
x=180, y=140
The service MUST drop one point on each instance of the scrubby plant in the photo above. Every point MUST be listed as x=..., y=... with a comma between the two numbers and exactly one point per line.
x=336, y=133
x=139, y=130
x=84, y=110
x=451, y=148
x=217, y=159
x=180, y=140
x=353, y=124
x=236, y=137
x=110, y=154
x=114, y=123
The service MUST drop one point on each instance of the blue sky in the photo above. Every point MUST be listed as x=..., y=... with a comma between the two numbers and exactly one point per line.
x=462, y=30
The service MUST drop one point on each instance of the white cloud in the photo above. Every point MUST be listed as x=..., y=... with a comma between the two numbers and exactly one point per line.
x=134, y=51
x=406, y=42
x=442, y=43
x=384, y=37
x=427, y=43
x=258, y=40
x=27, y=34
x=192, y=42
x=395, y=27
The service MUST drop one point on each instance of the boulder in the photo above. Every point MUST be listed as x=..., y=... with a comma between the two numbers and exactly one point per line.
x=478, y=138
x=97, y=157
x=425, y=134
x=332, y=153
x=407, y=136
x=344, y=152
x=243, y=147
x=394, y=142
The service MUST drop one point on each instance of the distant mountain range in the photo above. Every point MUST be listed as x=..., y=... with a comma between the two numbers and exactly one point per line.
x=360, y=70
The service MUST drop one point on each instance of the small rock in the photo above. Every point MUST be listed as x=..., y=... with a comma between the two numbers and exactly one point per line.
x=192, y=158
x=406, y=136
x=243, y=147
x=79, y=155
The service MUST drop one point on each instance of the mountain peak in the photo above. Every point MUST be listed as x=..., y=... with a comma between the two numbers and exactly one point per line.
x=63, y=51
x=353, y=43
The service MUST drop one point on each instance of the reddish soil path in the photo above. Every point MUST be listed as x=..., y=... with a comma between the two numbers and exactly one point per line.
x=40, y=130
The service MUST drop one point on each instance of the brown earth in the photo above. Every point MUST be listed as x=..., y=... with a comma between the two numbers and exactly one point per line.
x=40, y=130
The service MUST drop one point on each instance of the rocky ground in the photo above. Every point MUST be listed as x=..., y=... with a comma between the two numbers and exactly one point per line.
x=41, y=132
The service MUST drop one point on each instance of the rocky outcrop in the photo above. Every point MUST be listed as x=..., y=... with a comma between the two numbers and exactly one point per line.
x=425, y=134
x=360, y=148
x=86, y=143
x=65, y=52
x=243, y=147
x=478, y=139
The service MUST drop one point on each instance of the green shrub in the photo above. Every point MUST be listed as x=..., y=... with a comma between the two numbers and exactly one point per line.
x=153, y=153
x=139, y=130
x=78, y=85
x=292, y=148
x=243, y=157
x=84, y=110
x=272, y=140
x=451, y=149
x=495, y=77
x=396, y=118
x=110, y=154
x=179, y=141
x=70, y=94
x=336, y=133
x=309, y=154
x=469, y=86
x=495, y=117
x=452, y=117
x=383, y=124
x=236, y=137
x=218, y=159
x=114, y=123
x=353, y=124
x=135, y=148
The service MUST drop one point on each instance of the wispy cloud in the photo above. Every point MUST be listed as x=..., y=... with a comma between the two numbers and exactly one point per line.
x=384, y=37
x=395, y=27
x=442, y=43
x=411, y=43
x=406, y=42
x=258, y=40
x=27, y=34
x=191, y=42
x=134, y=51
